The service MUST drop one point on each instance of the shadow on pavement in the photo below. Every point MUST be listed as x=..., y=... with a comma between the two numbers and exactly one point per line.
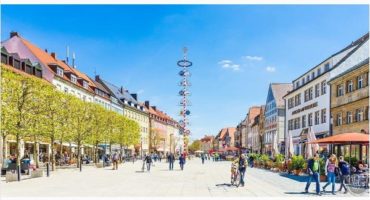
x=140, y=171
x=225, y=184
x=310, y=193
x=294, y=177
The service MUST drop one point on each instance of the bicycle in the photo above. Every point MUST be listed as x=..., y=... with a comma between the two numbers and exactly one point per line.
x=235, y=175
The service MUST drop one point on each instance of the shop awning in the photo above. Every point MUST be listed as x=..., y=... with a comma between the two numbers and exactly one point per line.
x=344, y=138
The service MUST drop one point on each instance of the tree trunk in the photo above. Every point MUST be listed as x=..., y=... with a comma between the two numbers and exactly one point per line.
x=120, y=154
x=96, y=155
x=110, y=147
x=4, y=147
x=36, y=152
x=78, y=154
x=61, y=146
x=51, y=156
x=18, y=150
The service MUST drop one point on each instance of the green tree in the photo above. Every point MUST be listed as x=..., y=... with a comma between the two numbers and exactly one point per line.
x=195, y=146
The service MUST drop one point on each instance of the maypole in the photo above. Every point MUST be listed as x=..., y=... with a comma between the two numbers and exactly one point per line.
x=184, y=93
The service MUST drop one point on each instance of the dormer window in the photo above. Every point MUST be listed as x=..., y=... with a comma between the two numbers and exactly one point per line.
x=73, y=78
x=327, y=65
x=85, y=85
x=60, y=72
x=318, y=71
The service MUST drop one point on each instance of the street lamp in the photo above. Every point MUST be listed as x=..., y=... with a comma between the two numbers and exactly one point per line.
x=141, y=147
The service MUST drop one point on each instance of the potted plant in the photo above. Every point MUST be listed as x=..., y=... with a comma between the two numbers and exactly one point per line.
x=298, y=163
x=322, y=170
x=264, y=158
x=279, y=162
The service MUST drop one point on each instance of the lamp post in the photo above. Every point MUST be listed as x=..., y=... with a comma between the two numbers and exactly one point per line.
x=141, y=147
x=331, y=133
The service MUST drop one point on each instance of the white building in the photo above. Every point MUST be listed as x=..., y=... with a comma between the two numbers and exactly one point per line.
x=275, y=118
x=308, y=104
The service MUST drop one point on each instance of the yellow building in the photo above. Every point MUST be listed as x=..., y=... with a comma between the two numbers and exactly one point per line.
x=349, y=104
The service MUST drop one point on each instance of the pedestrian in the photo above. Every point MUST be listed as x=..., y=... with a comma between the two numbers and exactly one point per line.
x=313, y=169
x=171, y=160
x=242, y=168
x=344, y=171
x=115, y=160
x=202, y=156
x=148, y=160
x=182, y=161
x=330, y=170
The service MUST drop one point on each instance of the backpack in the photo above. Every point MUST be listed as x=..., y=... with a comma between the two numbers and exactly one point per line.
x=115, y=157
x=345, y=169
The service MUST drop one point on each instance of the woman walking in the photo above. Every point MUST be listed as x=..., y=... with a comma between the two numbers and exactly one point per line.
x=182, y=161
x=330, y=171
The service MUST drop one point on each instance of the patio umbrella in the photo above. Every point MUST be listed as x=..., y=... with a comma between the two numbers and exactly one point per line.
x=291, y=146
x=344, y=138
x=232, y=149
x=314, y=147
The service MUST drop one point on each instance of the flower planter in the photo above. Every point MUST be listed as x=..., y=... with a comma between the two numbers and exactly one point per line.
x=322, y=178
x=297, y=172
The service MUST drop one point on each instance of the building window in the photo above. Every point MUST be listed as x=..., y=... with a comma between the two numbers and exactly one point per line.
x=349, y=86
x=317, y=90
x=73, y=78
x=306, y=97
x=360, y=80
x=303, y=121
x=318, y=71
x=340, y=90
x=308, y=78
x=85, y=85
x=59, y=87
x=317, y=117
x=327, y=66
x=290, y=103
x=297, y=84
x=323, y=116
x=310, y=93
x=323, y=87
x=349, y=117
x=310, y=119
x=313, y=75
x=297, y=99
x=60, y=72
x=65, y=89
x=339, y=119
x=359, y=115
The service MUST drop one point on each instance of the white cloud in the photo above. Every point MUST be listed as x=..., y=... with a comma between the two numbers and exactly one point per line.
x=228, y=64
x=253, y=58
x=270, y=69
x=140, y=91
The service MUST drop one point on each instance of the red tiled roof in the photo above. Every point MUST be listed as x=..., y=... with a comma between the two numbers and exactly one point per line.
x=47, y=59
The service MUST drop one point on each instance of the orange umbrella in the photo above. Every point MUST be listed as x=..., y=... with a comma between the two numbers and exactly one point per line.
x=344, y=138
x=232, y=149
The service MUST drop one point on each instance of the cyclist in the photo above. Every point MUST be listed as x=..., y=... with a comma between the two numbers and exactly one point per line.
x=234, y=172
x=240, y=164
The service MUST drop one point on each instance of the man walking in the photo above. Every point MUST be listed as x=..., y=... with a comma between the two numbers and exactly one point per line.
x=313, y=168
x=202, y=156
x=242, y=168
x=182, y=161
x=171, y=160
x=344, y=171
x=148, y=160
x=115, y=160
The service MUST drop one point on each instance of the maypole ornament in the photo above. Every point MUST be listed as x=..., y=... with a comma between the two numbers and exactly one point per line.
x=184, y=93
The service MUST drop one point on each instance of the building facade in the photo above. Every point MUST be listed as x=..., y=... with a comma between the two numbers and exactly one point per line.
x=275, y=118
x=132, y=109
x=308, y=104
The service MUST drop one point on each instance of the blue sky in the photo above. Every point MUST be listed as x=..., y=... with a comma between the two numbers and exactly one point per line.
x=236, y=50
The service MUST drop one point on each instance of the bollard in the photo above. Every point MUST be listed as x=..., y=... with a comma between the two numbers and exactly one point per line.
x=18, y=173
x=47, y=170
x=81, y=165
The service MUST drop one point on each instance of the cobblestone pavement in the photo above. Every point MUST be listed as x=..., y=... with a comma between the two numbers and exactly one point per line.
x=208, y=180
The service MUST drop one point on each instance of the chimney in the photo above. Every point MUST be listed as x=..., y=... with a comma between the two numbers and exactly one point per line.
x=135, y=96
x=147, y=104
x=46, y=50
x=13, y=33
x=97, y=78
x=154, y=107
x=53, y=55
x=73, y=60
x=121, y=89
